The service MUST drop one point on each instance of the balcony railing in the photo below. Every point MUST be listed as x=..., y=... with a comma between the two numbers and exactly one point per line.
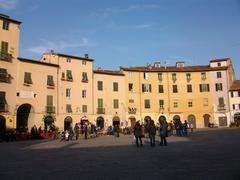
x=50, y=109
x=5, y=57
x=100, y=110
x=4, y=107
x=221, y=107
x=132, y=110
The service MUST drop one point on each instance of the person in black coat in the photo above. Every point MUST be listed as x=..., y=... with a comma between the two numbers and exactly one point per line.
x=163, y=131
x=138, y=134
x=152, y=133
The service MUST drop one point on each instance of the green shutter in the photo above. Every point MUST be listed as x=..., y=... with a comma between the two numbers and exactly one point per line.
x=4, y=47
x=221, y=101
x=100, y=103
x=49, y=100
x=115, y=103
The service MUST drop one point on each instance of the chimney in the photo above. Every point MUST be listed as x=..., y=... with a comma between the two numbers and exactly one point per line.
x=180, y=64
x=157, y=64
x=86, y=55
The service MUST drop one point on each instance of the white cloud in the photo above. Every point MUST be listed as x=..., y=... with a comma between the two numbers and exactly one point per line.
x=47, y=45
x=8, y=4
x=142, y=26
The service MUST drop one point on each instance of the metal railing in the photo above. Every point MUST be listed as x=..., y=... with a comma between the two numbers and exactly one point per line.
x=5, y=57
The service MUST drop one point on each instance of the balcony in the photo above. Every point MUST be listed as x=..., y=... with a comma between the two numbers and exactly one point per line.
x=132, y=110
x=5, y=57
x=50, y=109
x=4, y=107
x=100, y=110
x=221, y=107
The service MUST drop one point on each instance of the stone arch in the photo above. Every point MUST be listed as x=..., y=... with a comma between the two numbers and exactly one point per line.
x=206, y=119
x=68, y=122
x=100, y=122
x=23, y=113
x=133, y=121
x=116, y=121
x=191, y=121
x=48, y=121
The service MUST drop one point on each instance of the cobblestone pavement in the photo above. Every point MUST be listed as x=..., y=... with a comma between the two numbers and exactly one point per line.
x=209, y=154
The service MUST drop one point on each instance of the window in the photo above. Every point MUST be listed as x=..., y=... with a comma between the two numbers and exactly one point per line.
x=189, y=88
x=205, y=102
x=218, y=64
x=49, y=100
x=68, y=60
x=115, y=86
x=203, y=76
x=69, y=75
x=174, y=76
x=174, y=88
x=130, y=87
x=204, y=87
x=130, y=75
x=68, y=108
x=84, y=62
x=146, y=88
x=218, y=86
x=147, y=103
x=84, y=77
x=115, y=103
x=50, y=81
x=145, y=75
x=160, y=76
x=27, y=78
x=68, y=92
x=188, y=76
x=175, y=104
x=4, y=47
x=131, y=100
x=84, y=93
x=190, y=103
x=160, y=89
x=63, y=75
x=221, y=102
x=84, y=108
x=100, y=85
x=3, y=101
x=234, y=106
x=100, y=103
x=219, y=74
x=4, y=77
x=5, y=25
x=161, y=104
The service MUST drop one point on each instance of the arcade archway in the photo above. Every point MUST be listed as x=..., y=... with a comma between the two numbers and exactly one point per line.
x=22, y=117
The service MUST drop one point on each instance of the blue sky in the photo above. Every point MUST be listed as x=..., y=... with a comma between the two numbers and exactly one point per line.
x=130, y=32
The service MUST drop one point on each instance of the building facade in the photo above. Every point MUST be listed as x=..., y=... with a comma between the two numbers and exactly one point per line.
x=64, y=90
x=234, y=96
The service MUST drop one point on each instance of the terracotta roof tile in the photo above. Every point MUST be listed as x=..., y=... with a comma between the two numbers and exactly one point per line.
x=109, y=72
x=235, y=85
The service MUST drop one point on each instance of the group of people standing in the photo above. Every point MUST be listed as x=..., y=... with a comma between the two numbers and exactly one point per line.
x=151, y=129
x=86, y=129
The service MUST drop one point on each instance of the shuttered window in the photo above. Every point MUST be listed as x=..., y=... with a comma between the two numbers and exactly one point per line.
x=49, y=100
x=84, y=108
x=147, y=103
x=100, y=103
x=100, y=85
x=175, y=89
x=221, y=101
x=4, y=47
x=115, y=86
x=115, y=104
x=50, y=80
x=160, y=89
x=68, y=108
x=27, y=78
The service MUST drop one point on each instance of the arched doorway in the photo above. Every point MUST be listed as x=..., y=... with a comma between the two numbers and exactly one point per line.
x=222, y=120
x=22, y=117
x=67, y=123
x=161, y=118
x=48, y=121
x=237, y=118
x=84, y=120
x=132, y=121
x=191, y=121
x=116, y=121
x=100, y=122
x=206, y=118
x=147, y=119
x=2, y=125
x=176, y=119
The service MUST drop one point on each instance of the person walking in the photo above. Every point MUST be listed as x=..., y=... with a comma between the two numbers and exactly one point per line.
x=163, y=131
x=77, y=130
x=152, y=133
x=85, y=129
x=138, y=134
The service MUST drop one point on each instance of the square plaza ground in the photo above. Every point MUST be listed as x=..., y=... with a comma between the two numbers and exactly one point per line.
x=205, y=154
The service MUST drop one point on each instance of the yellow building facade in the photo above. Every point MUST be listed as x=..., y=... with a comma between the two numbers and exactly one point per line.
x=64, y=90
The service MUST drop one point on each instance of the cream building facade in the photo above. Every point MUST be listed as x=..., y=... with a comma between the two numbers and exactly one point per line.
x=234, y=96
x=64, y=90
